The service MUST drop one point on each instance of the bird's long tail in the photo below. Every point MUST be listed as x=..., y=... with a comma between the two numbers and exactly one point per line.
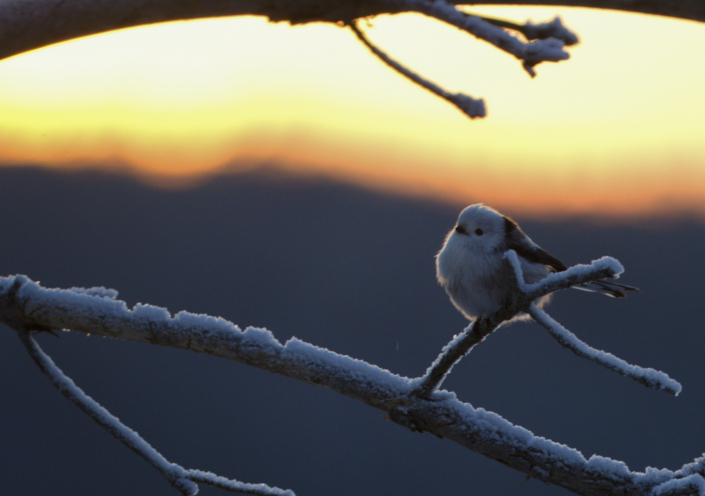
x=612, y=289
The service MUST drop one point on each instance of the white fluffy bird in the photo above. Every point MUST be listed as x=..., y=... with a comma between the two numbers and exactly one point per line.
x=471, y=268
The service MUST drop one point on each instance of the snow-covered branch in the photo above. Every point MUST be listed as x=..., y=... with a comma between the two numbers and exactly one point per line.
x=26, y=306
x=530, y=31
x=531, y=53
x=451, y=353
x=691, y=484
x=579, y=275
x=30, y=24
x=26, y=25
x=546, y=43
x=470, y=106
x=524, y=295
x=181, y=479
x=651, y=378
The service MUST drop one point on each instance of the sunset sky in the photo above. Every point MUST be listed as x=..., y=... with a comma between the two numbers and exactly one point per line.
x=617, y=130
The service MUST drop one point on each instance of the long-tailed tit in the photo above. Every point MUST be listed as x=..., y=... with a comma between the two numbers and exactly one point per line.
x=473, y=272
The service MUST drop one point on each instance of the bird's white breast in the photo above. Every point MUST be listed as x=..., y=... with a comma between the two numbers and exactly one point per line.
x=475, y=280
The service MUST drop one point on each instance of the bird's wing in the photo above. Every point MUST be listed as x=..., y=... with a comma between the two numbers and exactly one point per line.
x=525, y=248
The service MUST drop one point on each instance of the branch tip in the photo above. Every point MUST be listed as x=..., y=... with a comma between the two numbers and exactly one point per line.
x=494, y=31
x=470, y=106
x=530, y=31
x=653, y=379
x=554, y=29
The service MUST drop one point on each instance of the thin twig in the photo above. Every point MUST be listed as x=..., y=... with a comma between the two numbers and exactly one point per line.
x=468, y=105
x=603, y=268
x=524, y=294
x=237, y=486
x=180, y=478
x=531, y=53
x=530, y=31
x=451, y=353
x=650, y=378
x=173, y=473
x=454, y=351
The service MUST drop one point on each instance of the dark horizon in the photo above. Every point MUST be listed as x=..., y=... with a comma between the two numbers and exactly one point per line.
x=672, y=211
x=350, y=270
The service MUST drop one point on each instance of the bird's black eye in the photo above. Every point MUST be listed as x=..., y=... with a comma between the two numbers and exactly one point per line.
x=461, y=230
x=479, y=231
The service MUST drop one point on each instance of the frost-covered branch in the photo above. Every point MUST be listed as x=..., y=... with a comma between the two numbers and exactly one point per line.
x=531, y=53
x=524, y=295
x=530, y=31
x=233, y=485
x=24, y=305
x=689, y=485
x=546, y=42
x=651, y=378
x=690, y=479
x=603, y=268
x=181, y=479
x=451, y=353
x=578, y=275
x=470, y=106
x=29, y=24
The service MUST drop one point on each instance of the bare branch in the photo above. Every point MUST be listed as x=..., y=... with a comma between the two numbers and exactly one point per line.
x=554, y=29
x=30, y=24
x=468, y=105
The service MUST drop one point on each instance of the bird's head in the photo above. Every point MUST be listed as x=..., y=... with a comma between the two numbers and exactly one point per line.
x=479, y=228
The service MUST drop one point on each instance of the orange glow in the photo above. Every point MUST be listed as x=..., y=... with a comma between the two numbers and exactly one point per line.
x=615, y=131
